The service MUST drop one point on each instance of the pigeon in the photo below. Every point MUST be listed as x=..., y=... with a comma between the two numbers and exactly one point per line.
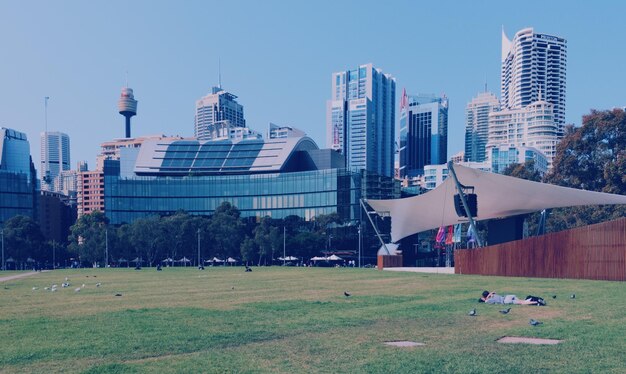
x=233, y=287
x=347, y=294
x=95, y=276
x=66, y=279
x=35, y=288
x=53, y=290
x=505, y=311
x=573, y=296
x=473, y=313
x=98, y=284
x=77, y=289
x=54, y=286
x=534, y=322
x=118, y=294
x=83, y=286
x=46, y=288
x=554, y=296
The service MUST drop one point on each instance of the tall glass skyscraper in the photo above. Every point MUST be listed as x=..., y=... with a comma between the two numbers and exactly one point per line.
x=534, y=68
x=360, y=118
x=17, y=176
x=216, y=114
x=477, y=125
x=423, y=133
x=55, y=157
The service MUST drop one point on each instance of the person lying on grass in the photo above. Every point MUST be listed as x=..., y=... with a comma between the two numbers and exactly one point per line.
x=494, y=298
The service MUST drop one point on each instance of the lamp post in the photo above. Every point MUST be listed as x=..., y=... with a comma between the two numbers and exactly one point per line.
x=359, y=243
x=2, y=233
x=284, y=243
x=53, y=254
x=106, y=247
x=199, y=264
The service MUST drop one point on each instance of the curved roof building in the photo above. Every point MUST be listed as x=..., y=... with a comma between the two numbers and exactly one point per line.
x=248, y=156
x=271, y=177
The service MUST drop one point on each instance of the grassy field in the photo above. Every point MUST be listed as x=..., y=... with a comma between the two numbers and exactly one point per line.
x=297, y=320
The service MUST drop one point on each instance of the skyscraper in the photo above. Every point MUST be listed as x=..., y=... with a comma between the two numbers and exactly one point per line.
x=423, y=133
x=534, y=67
x=55, y=157
x=360, y=118
x=17, y=176
x=216, y=114
x=477, y=125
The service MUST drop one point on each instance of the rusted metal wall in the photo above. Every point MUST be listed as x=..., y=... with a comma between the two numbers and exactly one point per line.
x=388, y=261
x=589, y=252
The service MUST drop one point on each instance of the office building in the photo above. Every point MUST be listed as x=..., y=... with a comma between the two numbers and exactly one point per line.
x=423, y=133
x=477, y=125
x=360, y=119
x=273, y=177
x=534, y=66
x=18, y=180
x=216, y=113
x=277, y=132
x=55, y=157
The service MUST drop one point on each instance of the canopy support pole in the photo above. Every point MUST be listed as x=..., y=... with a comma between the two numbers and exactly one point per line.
x=459, y=188
x=367, y=213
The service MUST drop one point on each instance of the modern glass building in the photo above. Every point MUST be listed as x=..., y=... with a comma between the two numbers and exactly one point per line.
x=423, y=134
x=18, y=180
x=216, y=114
x=275, y=177
x=360, y=119
x=477, y=125
x=503, y=156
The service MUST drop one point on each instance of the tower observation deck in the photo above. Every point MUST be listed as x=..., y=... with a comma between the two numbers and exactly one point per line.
x=127, y=106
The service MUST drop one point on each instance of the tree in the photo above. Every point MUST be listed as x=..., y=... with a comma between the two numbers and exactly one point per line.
x=263, y=240
x=87, y=237
x=523, y=171
x=149, y=238
x=592, y=157
x=248, y=250
x=23, y=239
x=226, y=230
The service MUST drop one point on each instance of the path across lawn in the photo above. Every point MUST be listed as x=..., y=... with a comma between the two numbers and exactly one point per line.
x=22, y=275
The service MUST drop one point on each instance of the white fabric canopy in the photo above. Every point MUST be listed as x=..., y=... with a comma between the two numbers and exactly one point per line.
x=334, y=258
x=498, y=196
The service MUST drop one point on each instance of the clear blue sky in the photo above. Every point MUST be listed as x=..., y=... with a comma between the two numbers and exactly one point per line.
x=277, y=56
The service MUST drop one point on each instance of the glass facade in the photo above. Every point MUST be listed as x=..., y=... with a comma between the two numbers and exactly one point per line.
x=17, y=176
x=306, y=194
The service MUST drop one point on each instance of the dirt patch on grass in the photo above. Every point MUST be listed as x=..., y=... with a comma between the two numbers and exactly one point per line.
x=525, y=340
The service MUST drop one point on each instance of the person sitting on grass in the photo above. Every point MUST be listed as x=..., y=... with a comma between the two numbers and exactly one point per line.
x=494, y=298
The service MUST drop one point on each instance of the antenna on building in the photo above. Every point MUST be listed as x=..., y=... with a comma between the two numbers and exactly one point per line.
x=126, y=79
x=46, y=176
x=485, y=82
x=219, y=72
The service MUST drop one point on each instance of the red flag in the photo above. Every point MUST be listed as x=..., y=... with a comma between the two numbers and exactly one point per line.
x=404, y=100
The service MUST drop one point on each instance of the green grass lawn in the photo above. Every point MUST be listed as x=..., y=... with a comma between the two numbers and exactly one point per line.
x=296, y=320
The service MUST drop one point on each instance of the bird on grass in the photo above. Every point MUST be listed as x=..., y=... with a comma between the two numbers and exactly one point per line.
x=554, y=296
x=472, y=313
x=66, y=279
x=98, y=284
x=573, y=296
x=77, y=289
x=347, y=294
x=83, y=285
x=35, y=288
x=534, y=322
x=505, y=311
x=46, y=288
x=118, y=294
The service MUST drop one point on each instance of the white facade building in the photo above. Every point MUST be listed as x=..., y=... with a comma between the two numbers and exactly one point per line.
x=55, y=157
x=534, y=67
x=531, y=126
x=216, y=111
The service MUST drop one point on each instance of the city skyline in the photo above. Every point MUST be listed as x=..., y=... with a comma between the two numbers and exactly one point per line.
x=277, y=61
